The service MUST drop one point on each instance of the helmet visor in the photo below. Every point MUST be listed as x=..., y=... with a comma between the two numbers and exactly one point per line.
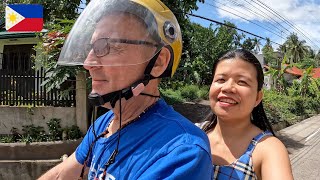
x=112, y=33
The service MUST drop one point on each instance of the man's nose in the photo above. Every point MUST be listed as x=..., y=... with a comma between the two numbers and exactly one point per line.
x=228, y=86
x=91, y=61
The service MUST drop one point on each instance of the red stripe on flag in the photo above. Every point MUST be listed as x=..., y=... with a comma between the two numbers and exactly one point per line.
x=28, y=24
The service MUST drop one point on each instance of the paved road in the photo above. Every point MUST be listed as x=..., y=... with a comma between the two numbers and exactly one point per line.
x=303, y=143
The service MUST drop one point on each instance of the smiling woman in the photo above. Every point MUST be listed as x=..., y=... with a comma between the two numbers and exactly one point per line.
x=241, y=138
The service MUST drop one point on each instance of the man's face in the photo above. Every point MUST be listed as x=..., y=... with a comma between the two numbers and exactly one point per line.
x=124, y=63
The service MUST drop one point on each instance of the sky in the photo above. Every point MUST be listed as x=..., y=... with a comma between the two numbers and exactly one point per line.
x=298, y=16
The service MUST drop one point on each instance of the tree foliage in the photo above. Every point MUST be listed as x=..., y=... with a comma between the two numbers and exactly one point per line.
x=48, y=51
x=295, y=49
x=248, y=44
x=270, y=57
x=277, y=76
x=257, y=45
x=206, y=45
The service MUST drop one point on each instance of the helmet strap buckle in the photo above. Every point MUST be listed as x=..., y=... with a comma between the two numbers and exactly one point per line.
x=138, y=89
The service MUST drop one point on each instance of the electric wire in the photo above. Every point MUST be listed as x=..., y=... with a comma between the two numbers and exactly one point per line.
x=224, y=24
x=263, y=15
x=244, y=18
x=272, y=11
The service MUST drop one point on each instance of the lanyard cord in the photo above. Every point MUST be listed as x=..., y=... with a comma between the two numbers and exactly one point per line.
x=89, y=152
x=116, y=151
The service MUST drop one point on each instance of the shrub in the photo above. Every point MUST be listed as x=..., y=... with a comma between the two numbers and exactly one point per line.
x=34, y=133
x=190, y=92
x=73, y=132
x=6, y=139
x=171, y=96
x=55, y=130
x=204, y=92
x=277, y=107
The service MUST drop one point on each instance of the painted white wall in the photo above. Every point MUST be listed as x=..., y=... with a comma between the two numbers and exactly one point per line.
x=38, y=116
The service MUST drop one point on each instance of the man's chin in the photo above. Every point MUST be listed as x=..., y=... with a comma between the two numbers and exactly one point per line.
x=97, y=91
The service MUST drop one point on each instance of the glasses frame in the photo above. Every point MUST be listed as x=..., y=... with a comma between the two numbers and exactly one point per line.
x=124, y=41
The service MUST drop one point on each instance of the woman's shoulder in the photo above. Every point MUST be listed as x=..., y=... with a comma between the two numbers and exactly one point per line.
x=271, y=150
x=271, y=159
x=269, y=145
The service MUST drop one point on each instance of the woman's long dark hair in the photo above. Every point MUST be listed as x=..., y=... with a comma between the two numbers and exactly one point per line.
x=259, y=117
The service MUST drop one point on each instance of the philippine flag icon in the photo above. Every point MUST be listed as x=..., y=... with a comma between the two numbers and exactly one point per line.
x=24, y=18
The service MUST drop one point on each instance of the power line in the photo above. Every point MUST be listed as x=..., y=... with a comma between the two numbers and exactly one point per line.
x=269, y=17
x=224, y=24
x=244, y=18
x=261, y=15
x=288, y=22
x=285, y=20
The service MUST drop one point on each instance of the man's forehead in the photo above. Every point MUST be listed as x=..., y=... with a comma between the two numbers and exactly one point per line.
x=119, y=25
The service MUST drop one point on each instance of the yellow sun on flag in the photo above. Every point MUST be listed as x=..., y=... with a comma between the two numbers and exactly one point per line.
x=12, y=17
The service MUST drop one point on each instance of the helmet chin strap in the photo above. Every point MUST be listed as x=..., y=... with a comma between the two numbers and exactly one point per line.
x=135, y=89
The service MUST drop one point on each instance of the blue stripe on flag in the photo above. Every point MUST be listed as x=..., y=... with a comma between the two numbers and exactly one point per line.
x=28, y=10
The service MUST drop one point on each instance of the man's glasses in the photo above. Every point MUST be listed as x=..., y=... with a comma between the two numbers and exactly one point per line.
x=101, y=47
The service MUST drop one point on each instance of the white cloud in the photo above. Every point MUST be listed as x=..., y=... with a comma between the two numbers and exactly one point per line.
x=303, y=14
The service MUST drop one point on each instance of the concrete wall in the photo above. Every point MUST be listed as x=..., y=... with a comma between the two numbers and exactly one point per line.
x=37, y=150
x=29, y=161
x=39, y=116
x=26, y=170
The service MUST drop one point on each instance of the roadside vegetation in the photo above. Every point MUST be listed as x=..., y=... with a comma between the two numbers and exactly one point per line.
x=32, y=133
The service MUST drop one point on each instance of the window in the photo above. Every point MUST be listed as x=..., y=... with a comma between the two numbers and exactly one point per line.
x=17, y=59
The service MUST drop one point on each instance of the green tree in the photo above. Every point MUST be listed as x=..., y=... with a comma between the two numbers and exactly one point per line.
x=296, y=49
x=306, y=63
x=206, y=45
x=48, y=51
x=277, y=77
x=247, y=44
x=311, y=53
x=305, y=81
x=237, y=40
x=269, y=54
x=317, y=59
x=256, y=43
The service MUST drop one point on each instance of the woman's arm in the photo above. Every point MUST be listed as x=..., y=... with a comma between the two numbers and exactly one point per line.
x=275, y=162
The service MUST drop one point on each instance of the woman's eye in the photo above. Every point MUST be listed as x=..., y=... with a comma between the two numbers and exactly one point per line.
x=242, y=82
x=220, y=80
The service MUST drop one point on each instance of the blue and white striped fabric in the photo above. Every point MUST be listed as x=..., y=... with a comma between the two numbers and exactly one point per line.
x=242, y=168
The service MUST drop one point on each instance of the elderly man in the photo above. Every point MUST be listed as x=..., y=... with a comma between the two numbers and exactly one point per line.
x=132, y=44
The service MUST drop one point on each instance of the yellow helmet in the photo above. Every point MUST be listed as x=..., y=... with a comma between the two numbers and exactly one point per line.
x=161, y=24
x=168, y=29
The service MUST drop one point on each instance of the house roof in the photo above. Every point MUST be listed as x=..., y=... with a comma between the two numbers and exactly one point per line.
x=294, y=71
x=316, y=73
x=11, y=35
x=299, y=72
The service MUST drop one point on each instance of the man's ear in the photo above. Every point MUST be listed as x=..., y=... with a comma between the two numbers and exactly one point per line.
x=161, y=63
x=259, y=98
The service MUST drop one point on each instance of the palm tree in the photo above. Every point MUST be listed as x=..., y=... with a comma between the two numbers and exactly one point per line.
x=237, y=40
x=268, y=43
x=296, y=49
x=256, y=43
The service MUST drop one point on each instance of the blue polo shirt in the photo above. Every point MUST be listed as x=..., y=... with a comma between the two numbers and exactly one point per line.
x=162, y=144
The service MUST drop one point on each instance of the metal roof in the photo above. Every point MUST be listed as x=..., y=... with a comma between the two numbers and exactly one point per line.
x=10, y=35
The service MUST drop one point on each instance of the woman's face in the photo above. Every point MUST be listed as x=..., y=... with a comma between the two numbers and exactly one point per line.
x=233, y=92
